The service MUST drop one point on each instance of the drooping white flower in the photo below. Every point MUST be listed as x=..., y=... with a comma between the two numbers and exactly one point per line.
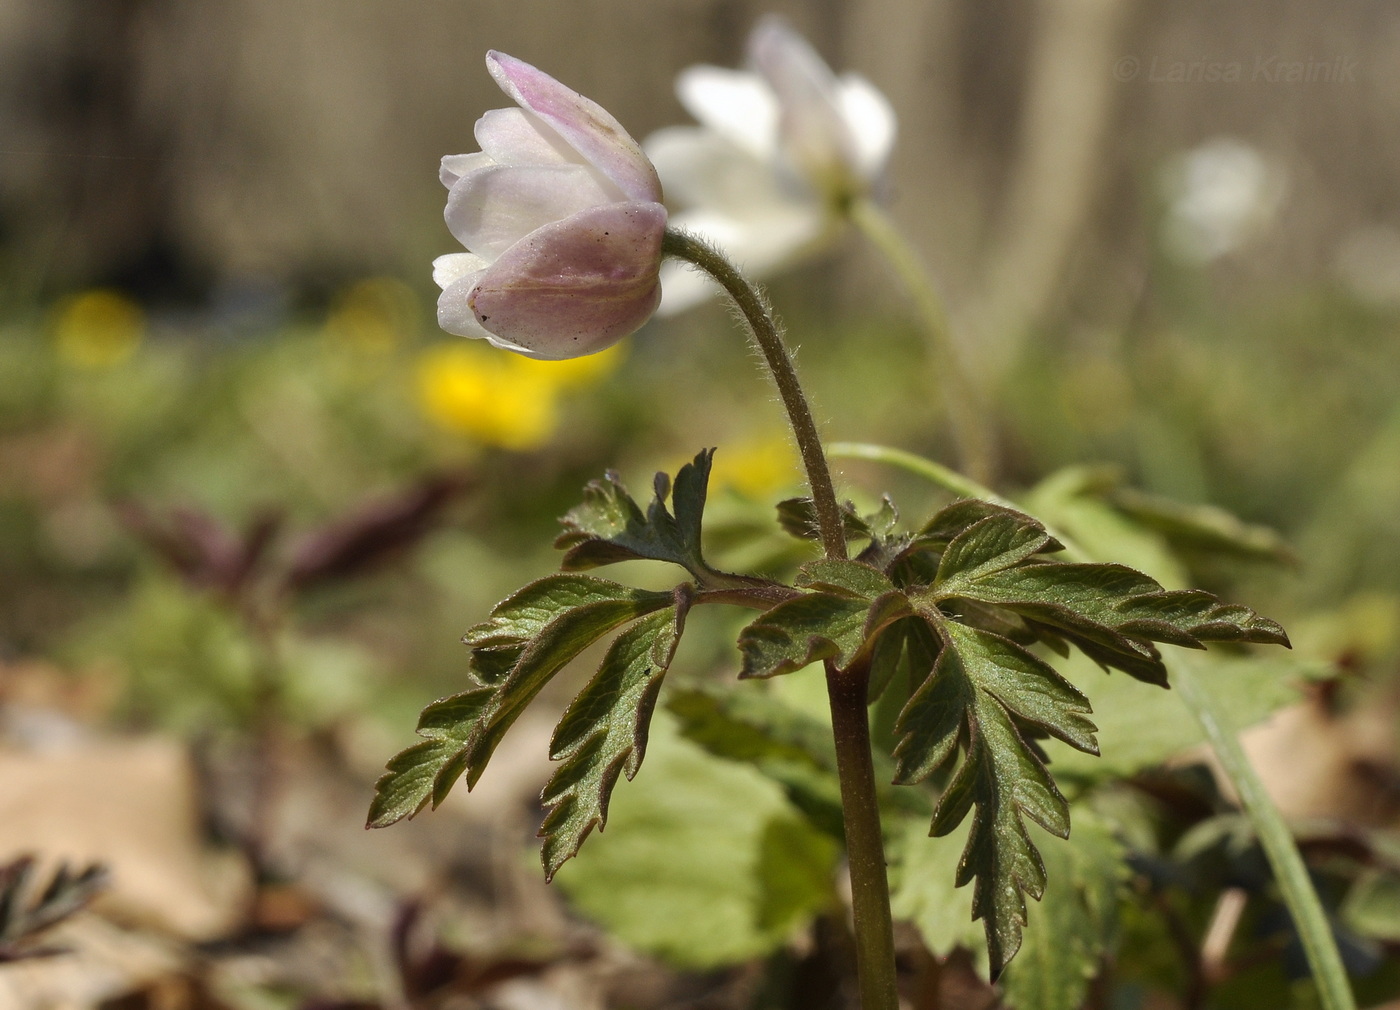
x=781, y=150
x=561, y=215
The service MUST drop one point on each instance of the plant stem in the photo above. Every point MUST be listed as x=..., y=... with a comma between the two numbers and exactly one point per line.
x=944, y=477
x=846, y=689
x=762, y=325
x=969, y=430
x=1309, y=917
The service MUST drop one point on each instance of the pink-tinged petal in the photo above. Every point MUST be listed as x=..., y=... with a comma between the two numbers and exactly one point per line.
x=517, y=137
x=584, y=124
x=736, y=104
x=491, y=209
x=576, y=286
x=813, y=133
x=871, y=121
x=455, y=266
x=454, y=166
x=454, y=311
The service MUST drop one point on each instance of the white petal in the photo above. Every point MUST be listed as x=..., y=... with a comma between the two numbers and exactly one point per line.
x=454, y=313
x=871, y=120
x=683, y=287
x=491, y=209
x=455, y=266
x=701, y=168
x=583, y=124
x=737, y=105
x=517, y=137
x=759, y=244
x=454, y=166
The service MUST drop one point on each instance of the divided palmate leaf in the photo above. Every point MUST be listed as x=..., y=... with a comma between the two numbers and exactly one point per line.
x=1076, y=923
x=604, y=733
x=410, y=781
x=798, y=518
x=610, y=526
x=1111, y=612
x=838, y=622
x=986, y=691
x=530, y=636
x=593, y=608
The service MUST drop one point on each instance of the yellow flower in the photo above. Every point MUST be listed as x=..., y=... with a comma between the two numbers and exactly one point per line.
x=372, y=316
x=756, y=466
x=487, y=395
x=98, y=328
x=506, y=400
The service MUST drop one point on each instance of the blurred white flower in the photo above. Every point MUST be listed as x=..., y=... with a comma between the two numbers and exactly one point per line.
x=782, y=150
x=1221, y=194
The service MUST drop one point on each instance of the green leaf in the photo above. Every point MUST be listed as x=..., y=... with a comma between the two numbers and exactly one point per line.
x=904, y=654
x=408, y=784
x=798, y=518
x=756, y=728
x=922, y=888
x=990, y=545
x=609, y=526
x=497, y=643
x=1074, y=924
x=953, y=520
x=844, y=578
x=982, y=691
x=1112, y=612
x=1139, y=729
x=816, y=626
x=1203, y=528
x=705, y=862
x=603, y=734
x=575, y=627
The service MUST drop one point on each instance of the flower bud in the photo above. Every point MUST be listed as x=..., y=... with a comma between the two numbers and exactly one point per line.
x=561, y=216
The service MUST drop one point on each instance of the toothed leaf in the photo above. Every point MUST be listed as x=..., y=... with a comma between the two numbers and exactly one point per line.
x=610, y=526
x=408, y=785
x=603, y=734
x=986, y=692
x=557, y=642
x=1074, y=924
x=816, y=626
x=844, y=578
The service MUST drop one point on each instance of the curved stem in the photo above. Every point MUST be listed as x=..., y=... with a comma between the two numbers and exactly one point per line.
x=969, y=428
x=847, y=689
x=763, y=327
x=945, y=477
x=1309, y=917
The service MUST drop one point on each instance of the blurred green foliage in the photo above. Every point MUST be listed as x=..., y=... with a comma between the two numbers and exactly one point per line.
x=1284, y=413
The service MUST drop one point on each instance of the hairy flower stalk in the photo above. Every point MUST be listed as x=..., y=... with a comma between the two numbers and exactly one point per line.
x=847, y=690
